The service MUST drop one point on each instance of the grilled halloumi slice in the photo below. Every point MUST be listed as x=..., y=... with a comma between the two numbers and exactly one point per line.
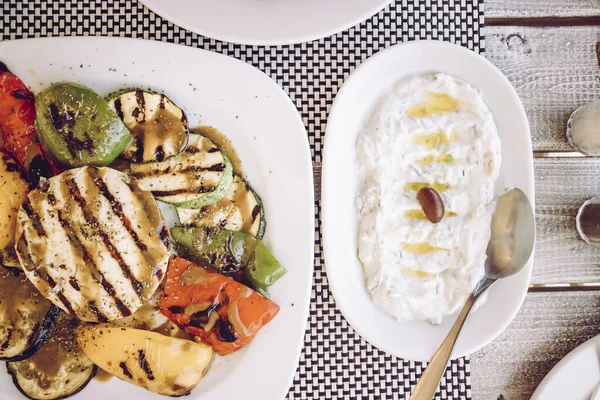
x=93, y=243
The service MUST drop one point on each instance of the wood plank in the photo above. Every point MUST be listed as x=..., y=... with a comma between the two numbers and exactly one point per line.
x=541, y=8
x=562, y=185
x=593, y=20
x=554, y=70
x=548, y=327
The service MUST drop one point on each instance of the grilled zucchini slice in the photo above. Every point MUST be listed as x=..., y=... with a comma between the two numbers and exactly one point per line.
x=198, y=177
x=239, y=210
x=25, y=316
x=58, y=369
x=159, y=127
x=91, y=241
x=162, y=364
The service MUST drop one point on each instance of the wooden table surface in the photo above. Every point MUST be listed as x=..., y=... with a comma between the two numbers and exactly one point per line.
x=550, y=51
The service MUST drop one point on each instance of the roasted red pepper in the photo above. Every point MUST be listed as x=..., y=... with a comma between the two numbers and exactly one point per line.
x=19, y=138
x=220, y=311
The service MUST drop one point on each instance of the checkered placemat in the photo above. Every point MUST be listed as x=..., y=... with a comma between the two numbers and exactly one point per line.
x=336, y=363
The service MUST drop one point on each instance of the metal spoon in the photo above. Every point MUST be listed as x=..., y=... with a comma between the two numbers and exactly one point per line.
x=582, y=129
x=588, y=221
x=509, y=249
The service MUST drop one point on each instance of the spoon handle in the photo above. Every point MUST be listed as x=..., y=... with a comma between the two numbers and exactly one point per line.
x=427, y=385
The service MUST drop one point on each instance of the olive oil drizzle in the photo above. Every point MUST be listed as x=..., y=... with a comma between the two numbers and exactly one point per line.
x=223, y=142
x=163, y=135
x=419, y=214
x=434, y=103
x=443, y=158
x=417, y=273
x=433, y=140
x=421, y=248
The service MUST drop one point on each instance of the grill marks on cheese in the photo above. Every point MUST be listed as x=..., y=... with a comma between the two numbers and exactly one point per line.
x=90, y=241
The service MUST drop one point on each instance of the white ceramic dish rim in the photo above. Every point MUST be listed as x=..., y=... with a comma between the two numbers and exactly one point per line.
x=262, y=41
x=115, y=44
x=568, y=363
x=327, y=230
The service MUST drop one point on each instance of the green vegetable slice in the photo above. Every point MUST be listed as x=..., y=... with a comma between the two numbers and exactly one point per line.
x=159, y=127
x=239, y=210
x=241, y=256
x=198, y=177
x=263, y=269
x=78, y=127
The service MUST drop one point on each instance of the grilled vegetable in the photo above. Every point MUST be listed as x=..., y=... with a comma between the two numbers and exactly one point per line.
x=198, y=177
x=90, y=240
x=19, y=138
x=240, y=210
x=25, y=316
x=263, y=268
x=225, y=252
x=13, y=192
x=58, y=369
x=149, y=318
x=164, y=365
x=9, y=259
x=218, y=310
x=159, y=127
x=78, y=127
x=235, y=254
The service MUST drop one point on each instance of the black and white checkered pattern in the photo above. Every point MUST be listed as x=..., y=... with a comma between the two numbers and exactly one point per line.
x=336, y=363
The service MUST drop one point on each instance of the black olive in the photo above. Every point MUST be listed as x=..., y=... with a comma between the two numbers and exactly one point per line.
x=3, y=67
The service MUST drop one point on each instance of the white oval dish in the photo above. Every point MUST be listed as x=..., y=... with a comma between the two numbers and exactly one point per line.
x=415, y=340
x=266, y=22
x=575, y=377
x=269, y=136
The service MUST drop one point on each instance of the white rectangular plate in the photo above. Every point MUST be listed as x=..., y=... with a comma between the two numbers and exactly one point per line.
x=416, y=340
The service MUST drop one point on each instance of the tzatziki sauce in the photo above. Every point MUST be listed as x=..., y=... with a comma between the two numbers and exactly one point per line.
x=430, y=130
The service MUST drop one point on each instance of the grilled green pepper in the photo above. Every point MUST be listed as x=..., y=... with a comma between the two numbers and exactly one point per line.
x=263, y=269
x=239, y=255
x=78, y=127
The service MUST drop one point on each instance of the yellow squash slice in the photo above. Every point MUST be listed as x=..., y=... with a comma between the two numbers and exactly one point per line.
x=162, y=364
